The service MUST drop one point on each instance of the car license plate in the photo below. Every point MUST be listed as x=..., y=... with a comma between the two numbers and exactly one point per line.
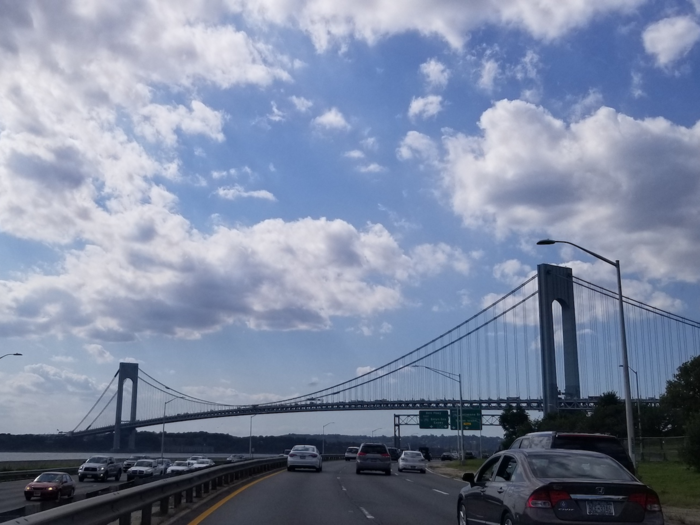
x=37, y=493
x=600, y=508
x=302, y=457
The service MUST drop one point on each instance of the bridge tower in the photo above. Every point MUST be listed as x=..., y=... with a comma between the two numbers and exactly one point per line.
x=126, y=371
x=555, y=283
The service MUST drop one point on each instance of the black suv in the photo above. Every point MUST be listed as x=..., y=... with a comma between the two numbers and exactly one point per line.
x=604, y=443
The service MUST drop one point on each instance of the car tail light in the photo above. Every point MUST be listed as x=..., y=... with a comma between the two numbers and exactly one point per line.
x=384, y=455
x=313, y=455
x=546, y=499
x=362, y=453
x=648, y=501
x=292, y=455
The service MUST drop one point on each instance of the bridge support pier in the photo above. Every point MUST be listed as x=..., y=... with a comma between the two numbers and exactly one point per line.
x=126, y=371
x=555, y=283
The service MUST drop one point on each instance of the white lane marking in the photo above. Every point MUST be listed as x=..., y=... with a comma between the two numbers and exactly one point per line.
x=409, y=480
x=367, y=514
x=343, y=488
x=441, y=492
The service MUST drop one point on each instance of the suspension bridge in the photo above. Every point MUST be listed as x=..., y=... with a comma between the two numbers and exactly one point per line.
x=553, y=342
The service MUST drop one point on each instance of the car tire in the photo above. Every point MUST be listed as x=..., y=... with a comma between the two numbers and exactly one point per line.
x=290, y=469
x=118, y=475
x=400, y=470
x=59, y=496
x=508, y=519
x=422, y=471
x=319, y=469
x=72, y=493
x=387, y=473
x=462, y=514
x=357, y=471
x=81, y=478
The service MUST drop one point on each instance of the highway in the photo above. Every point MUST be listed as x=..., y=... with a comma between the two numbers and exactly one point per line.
x=337, y=496
x=12, y=493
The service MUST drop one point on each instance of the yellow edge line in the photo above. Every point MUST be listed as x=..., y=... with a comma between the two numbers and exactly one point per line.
x=213, y=508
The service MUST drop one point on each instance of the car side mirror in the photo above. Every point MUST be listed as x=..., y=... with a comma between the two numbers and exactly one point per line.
x=468, y=477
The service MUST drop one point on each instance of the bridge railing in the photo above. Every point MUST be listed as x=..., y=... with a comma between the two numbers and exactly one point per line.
x=121, y=505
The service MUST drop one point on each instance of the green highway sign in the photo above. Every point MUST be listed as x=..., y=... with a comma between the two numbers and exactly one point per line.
x=433, y=419
x=471, y=418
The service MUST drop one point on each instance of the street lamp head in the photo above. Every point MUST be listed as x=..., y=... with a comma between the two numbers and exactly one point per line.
x=545, y=242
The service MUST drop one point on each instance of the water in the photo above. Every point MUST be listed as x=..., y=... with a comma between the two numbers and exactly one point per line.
x=82, y=456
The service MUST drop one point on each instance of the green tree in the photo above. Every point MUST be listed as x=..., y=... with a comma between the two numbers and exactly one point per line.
x=564, y=421
x=690, y=453
x=515, y=422
x=608, y=417
x=682, y=397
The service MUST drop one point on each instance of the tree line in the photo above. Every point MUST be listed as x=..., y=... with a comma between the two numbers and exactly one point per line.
x=678, y=414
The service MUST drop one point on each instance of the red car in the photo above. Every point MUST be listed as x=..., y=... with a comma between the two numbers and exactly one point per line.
x=50, y=485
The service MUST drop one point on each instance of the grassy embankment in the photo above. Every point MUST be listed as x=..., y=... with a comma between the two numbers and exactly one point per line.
x=676, y=485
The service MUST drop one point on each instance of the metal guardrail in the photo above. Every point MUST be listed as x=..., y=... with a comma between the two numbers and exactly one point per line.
x=120, y=505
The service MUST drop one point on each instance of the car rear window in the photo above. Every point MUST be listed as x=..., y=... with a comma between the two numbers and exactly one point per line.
x=582, y=467
x=353, y=450
x=374, y=449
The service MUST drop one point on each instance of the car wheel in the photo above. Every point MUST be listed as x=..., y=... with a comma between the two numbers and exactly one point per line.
x=400, y=470
x=508, y=519
x=319, y=469
x=59, y=495
x=81, y=478
x=118, y=475
x=422, y=471
x=387, y=473
x=462, y=514
x=72, y=493
x=290, y=469
x=357, y=471
x=27, y=497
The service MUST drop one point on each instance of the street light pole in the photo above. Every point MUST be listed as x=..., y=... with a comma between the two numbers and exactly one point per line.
x=250, y=438
x=1, y=356
x=375, y=431
x=623, y=344
x=162, y=434
x=639, y=413
x=323, y=447
x=450, y=375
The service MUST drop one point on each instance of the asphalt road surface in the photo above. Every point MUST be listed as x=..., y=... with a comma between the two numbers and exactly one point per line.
x=338, y=496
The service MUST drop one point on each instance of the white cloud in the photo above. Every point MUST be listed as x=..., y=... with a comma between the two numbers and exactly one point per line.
x=275, y=115
x=372, y=168
x=159, y=123
x=237, y=192
x=417, y=145
x=331, y=119
x=333, y=23
x=361, y=370
x=98, y=353
x=671, y=38
x=370, y=143
x=616, y=184
x=586, y=105
x=355, y=154
x=425, y=107
x=169, y=279
x=435, y=73
x=301, y=104
x=489, y=73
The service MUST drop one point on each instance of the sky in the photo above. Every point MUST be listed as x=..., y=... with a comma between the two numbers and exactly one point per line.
x=259, y=199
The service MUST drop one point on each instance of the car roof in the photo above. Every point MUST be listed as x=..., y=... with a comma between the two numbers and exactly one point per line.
x=549, y=452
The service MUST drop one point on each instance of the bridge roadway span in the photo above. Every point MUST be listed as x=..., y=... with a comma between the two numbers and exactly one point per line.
x=320, y=406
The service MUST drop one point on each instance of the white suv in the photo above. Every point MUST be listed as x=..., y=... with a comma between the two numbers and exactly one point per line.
x=351, y=453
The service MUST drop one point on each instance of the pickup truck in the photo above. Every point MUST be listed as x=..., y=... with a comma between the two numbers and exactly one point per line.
x=100, y=468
